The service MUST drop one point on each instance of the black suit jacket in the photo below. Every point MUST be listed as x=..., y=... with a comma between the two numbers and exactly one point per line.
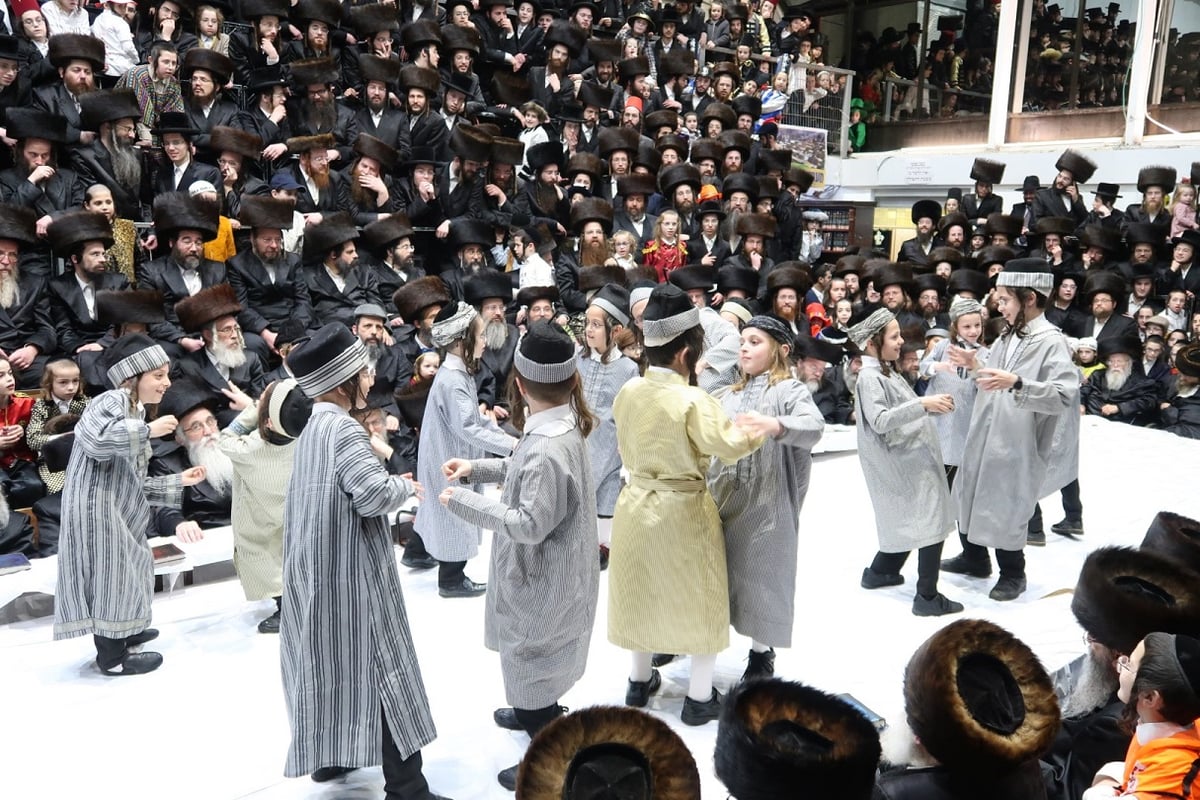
x=623, y=222
x=331, y=305
x=164, y=275
x=345, y=128
x=975, y=209
x=267, y=305
x=387, y=281
x=1049, y=203
x=253, y=120
x=465, y=202
x=429, y=130
x=224, y=112
x=1117, y=326
x=393, y=371
x=94, y=165
x=73, y=325
x=60, y=192
x=248, y=377
x=911, y=251
x=334, y=198
x=698, y=249
x=56, y=99
x=391, y=129
x=164, y=180
x=202, y=504
x=27, y=321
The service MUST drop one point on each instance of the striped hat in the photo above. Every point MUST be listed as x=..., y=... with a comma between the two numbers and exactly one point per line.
x=332, y=356
x=131, y=356
x=546, y=354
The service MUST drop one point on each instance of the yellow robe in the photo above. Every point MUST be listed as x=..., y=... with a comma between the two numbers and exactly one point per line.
x=668, y=587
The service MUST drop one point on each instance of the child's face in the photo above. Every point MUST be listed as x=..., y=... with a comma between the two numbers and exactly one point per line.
x=855, y=116
x=1186, y=194
x=692, y=122
x=65, y=384
x=1175, y=301
x=709, y=224
x=1086, y=355
x=429, y=366
x=7, y=382
x=844, y=311
x=670, y=227
x=531, y=120
x=621, y=247
x=208, y=23
x=970, y=327
x=932, y=342
x=594, y=331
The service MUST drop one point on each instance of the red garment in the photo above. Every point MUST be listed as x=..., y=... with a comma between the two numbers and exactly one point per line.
x=818, y=320
x=17, y=413
x=663, y=258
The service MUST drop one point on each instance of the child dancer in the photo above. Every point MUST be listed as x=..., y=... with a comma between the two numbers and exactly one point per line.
x=902, y=463
x=603, y=370
x=452, y=427
x=668, y=586
x=760, y=497
x=62, y=393
x=544, y=579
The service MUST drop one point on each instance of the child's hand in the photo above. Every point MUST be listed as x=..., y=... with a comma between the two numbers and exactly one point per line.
x=193, y=475
x=457, y=469
x=418, y=489
x=447, y=493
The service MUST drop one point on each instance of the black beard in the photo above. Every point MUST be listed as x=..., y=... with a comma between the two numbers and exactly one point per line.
x=321, y=118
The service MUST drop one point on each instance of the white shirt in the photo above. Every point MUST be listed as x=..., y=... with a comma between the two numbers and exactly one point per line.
x=338, y=280
x=536, y=271
x=57, y=21
x=89, y=295
x=179, y=170
x=191, y=279
x=1098, y=326
x=221, y=368
x=120, y=54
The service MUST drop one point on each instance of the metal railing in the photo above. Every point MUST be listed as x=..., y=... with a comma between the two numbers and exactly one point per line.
x=926, y=101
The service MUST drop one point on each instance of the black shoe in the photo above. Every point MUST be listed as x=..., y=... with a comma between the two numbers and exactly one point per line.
x=418, y=562
x=877, y=580
x=1007, y=589
x=1036, y=538
x=508, y=778
x=962, y=565
x=697, y=713
x=270, y=624
x=603, y=557
x=759, y=665
x=662, y=659
x=148, y=635
x=507, y=718
x=326, y=774
x=1068, y=527
x=638, y=693
x=135, y=664
x=468, y=588
x=935, y=606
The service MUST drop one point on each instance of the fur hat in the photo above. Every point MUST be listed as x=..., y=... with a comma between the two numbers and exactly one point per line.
x=206, y=307
x=77, y=227
x=470, y=144
x=177, y=211
x=531, y=294
x=799, y=177
x=512, y=90
x=333, y=230
x=673, y=141
x=630, y=68
x=763, y=225
x=107, y=105
x=327, y=11
x=67, y=47
x=693, y=276
x=314, y=71
x=896, y=274
x=1129, y=345
x=419, y=34
x=593, y=94
x=303, y=144
x=415, y=296
x=676, y=175
x=1162, y=177
x=677, y=61
x=1145, y=233
x=1104, y=282
x=472, y=231
x=604, y=740
x=1062, y=226
x=586, y=164
x=930, y=281
x=926, y=208
x=745, y=104
x=234, y=140
x=740, y=279
x=1187, y=360
x=719, y=111
x=455, y=38
x=255, y=9
x=374, y=68
x=368, y=20
x=614, y=139
x=1123, y=594
x=663, y=118
x=948, y=255
x=968, y=280
x=636, y=184
x=999, y=222
x=778, y=160
x=487, y=283
x=740, y=182
x=33, y=123
x=985, y=171
x=368, y=146
x=592, y=209
x=507, y=151
x=263, y=211
x=950, y=220
x=736, y=140
x=593, y=278
x=776, y=736
x=603, y=50
x=648, y=156
x=382, y=233
x=414, y=77
x=1080, y=166
x=994, y=255
x=706, y=149
x=568, y=34
x=979, y=700
x=119, y=306
x=1107, y=239
x=219, y=66
x=543, y=155
x=789, y=275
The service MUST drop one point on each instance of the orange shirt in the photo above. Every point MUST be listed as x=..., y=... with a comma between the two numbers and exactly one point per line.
x=1164, y=767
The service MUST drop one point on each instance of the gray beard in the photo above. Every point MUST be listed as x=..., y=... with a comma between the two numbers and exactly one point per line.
x=495, y=335
x=228, y=356
x=127, y=167
x=813, y=386
x=1093, y=689
x=1115, y=379
x=851, y=379
x=10, y=291
x=374, y=351
x=219, y=469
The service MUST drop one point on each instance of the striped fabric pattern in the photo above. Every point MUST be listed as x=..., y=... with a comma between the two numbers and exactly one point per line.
x=141, y=361
x=345, y=644
x=334, y=372
x=601, y=382
x=105, y=569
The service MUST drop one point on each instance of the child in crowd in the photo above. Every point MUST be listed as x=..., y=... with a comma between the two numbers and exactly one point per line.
x=112, y=28
x=858, y=128
x=425, y=367
x=603, y=370
x=966, y=330
x=127, y=250
x=760, y=497
x=691, y=125
x=1086, y=356
x=631, y=346
x=209, y=21
x=666, y=253
x=544, y=580
x=1183, y=209
x=62, y=393
x=19, y=477
x=533, y=118
x=902, y=463
x=624, y=247
x=1174, y=312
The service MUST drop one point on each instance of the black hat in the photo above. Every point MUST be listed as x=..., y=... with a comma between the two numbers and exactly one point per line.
x=597, y=277
x=1129, y=345
x=470, y=144
x=950, y=220
x=603, y=50
x=1145, y=233
x=986, y=171
x=67, y=47
x=1162, y=177
x=472, y=232
x=1175, y=536
x=677, y=61
x=737, y=140
x=77, y=227
x=487, y=283
x=954, y=193
x=745, y=104
x=663, y=118
x=706, y=149
x=218, y=65
x=779, y=160
x=329, y=358
x=327, y=11
x=1104, y=282
x=32, y=123
x=1080, y=166
x=175, y=122
x=10, y=48
x=545, y=154
x=613, y=298
x=740, y=182
x=968, y=280
x=381, y=234
x=1031, y=183
x=177, y=211
x=668, y=314
x=1062, y=226
x=531, y=294
x=420, y=34
x=119, y=306
x=368, y=20
x=332, y=231
x=414, y=77
x=896, y=274
x=255, y=9
x=455, y=37
x=1002, y=223
x=206, y=307
x=1187, y=360
x=775, y=736
x=849, y=265
x=710, y=208
x=1124, y=593
x=545, y=354
x=1107, y=239
x=930, y=281
x=1110, y=191
x=235, y=140
x=636, y=184
x=264, y=211
x=676, y=175
x=417, y=295
x=374, y=68
x=56, y=453
x=507, y=151
x=265, y=78
x=763, y=225
x=1191, y=237
x=591, y=209
x=789, y=275
x=979, y=700
x=722, y=113
x=820, y=349
x=569, y=35
x=186, y=395
x=630, y=68
x=693, y=276
x=593, y=94
x=799, y=177
x=926, y=208
x=107, y=105
x=315, y=71
x=733, y=278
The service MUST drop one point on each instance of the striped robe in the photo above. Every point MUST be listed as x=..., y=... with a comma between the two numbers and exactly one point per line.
x=453, y=428
x=901, y=460
x=759, y=499
x=722, y=342
x=959, y=384
x=105, y=568
x=345, y=645
x=668, y=587
x=601, y=382
x=544, y=576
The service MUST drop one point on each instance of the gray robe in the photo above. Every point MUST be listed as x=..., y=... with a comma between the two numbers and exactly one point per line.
x=345, y=645
x=544, y=577
x=759, y=499
x=1023, y=445
x=601, y=382
x=959, y=384
x=721, y=346
x=453, y=428
x=902, y=462
x=105, y=567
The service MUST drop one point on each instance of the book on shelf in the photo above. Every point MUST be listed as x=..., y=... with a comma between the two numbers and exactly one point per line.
x=167, y=554
x=13, y=562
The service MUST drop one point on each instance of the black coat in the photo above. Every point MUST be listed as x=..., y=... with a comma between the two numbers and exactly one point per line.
x=60, y=192
x=1049, y=203
x=393, y=371
x=1182, y=417
x=622, y=222
x=1083, y=745
x=56, y=99
x=27, y=321
x=465, y=202
x=202, y=504
x=698, y=249
x=1070, y=320
x=253, y=120
x=499, y=364
x=1117, y=326
x=391, y=129
x=1137, y=399
x=939, y=783
x=387, y=281
x=73, y=325
x=266, y=304
x=334, y=198
x=224, y=112
x=345, y=128
x=246, y=58
x=94, y=165
x=164, y=275
x=429, y=130
x=164, y=180
x=248, y=377
x=833, y=398
x=330, y=304
x=977, y=209
x=911, y=251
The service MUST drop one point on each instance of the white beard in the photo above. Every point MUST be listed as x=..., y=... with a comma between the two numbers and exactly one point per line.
x=217, y=465
x=1092, y=690
x=813, y=386
x=228, y=356
x=901, y=748
x=10, y=293
x=4, y=512
x=1116, y=379
x=495, y=335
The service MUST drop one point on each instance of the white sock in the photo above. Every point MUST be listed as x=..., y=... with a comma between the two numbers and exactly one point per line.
x=640, y=672
x=759, y=647
x=700, y=687
x=604, y=530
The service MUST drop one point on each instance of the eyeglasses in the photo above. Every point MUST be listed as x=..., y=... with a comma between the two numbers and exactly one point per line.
x=126, y=128
x=1123, y=664
x=225, y=162
x=201, y=79
x=202, y=425
x=229, y=330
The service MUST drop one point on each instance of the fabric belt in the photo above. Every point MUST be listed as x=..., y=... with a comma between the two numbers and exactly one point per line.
x=668, y=484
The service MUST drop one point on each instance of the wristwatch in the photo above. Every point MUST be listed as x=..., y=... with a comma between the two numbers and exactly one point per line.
x=1020, y=384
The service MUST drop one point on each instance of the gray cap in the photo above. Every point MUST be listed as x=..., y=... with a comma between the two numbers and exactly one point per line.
x=370, y=310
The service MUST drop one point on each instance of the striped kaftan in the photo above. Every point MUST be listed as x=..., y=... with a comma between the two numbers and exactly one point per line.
x=345, y=645
x=601, y=382
x=105, y=568
x=544, y=576
x=959, y=383
x=759, y=499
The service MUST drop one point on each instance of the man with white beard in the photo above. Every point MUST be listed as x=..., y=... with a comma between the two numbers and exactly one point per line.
x=491, y=291
x=194, y=443
x=224, y=367
x=1120, y=392
x=818, y=366
x=26, y=330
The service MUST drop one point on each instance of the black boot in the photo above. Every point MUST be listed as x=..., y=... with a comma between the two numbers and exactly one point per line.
x=637, y=694
x=1036, y=538
x=877, y=580
x=135, y=664
x=508, y=778
x=973, y=561
x=1068, y=527
x=148, y=635
x=326, y=774
x=699, y=713
x=1007, y=588
x=935, y=606
x=759, y=665
x=271, y=623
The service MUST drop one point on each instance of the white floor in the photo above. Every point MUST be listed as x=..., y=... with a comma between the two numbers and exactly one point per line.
x=210, y=723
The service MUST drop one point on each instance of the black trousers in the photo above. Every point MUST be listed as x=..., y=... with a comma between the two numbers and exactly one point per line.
x=451, y=574
x=416, y=545
x=109, y=652
x=533, y=720
x=929, y=560
x=1072, y=505
x=1011, y=562
x=402, y=777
